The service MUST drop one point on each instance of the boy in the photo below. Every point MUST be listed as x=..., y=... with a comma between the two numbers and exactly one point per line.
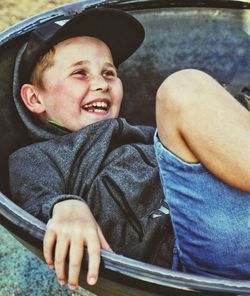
x=89, y=168
x=118, y=176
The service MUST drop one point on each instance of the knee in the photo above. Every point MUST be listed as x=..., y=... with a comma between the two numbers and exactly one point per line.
x=181, y=90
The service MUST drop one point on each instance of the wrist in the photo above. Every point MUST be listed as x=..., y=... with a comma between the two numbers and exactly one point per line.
x=69, y=205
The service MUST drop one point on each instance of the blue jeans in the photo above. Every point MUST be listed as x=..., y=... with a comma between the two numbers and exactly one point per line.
x=211, y=220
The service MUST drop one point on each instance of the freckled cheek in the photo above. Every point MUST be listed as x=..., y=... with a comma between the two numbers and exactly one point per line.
x=118, y=94
x=69, y=95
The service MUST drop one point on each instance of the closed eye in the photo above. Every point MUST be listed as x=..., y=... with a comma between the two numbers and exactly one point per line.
x=109, y=73
x=80, y=72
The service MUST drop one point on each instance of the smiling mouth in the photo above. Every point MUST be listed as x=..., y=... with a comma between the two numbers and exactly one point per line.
x=100, y=106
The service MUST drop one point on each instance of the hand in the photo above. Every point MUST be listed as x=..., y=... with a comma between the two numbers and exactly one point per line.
x=71, y=228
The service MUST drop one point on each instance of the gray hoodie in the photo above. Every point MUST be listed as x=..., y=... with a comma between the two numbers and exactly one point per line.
x=111, y=166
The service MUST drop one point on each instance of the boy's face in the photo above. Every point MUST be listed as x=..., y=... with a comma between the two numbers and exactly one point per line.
x=81, y=87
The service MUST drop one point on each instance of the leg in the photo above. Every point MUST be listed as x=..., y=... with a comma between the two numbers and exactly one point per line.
x=200, y=121
x=195, y=116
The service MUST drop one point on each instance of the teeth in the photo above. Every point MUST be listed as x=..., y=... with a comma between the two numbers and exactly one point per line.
x=98, y=110
x=97, y=104
x=100, y=104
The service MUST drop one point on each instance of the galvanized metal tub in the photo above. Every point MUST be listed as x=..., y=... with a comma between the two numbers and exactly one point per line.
x=213, y=36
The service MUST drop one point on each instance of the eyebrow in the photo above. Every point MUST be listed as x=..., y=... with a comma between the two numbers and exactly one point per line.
x=79, y=63
x=110, y=65
x=85, y=62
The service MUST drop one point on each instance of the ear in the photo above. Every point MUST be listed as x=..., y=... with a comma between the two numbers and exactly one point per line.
x=31, y=99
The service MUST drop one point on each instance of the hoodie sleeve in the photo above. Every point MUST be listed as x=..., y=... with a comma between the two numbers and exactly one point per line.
x=36, y=182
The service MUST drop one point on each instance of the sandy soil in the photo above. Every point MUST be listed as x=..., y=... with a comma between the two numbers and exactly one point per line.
x=13, y=11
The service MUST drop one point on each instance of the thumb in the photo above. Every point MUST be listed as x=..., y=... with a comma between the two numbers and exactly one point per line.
x=104, y=244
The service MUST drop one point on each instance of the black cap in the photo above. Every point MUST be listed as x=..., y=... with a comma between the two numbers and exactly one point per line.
x=121, y=32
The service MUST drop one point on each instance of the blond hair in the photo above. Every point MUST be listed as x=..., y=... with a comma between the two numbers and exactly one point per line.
x=46, y=61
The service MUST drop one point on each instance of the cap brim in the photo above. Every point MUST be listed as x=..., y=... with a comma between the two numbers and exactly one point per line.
x=120, y=31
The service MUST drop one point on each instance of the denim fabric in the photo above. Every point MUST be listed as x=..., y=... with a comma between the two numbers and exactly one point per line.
x=211, y=220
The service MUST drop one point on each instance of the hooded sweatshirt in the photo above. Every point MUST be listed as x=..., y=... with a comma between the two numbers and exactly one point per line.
x=111, y=166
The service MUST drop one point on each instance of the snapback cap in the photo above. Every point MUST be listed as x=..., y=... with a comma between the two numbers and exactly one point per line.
x=121, y=32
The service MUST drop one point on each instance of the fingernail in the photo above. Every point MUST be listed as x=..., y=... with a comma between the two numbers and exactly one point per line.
x=51, y=266
x=91, y=280
x=72, y=287
x=62, y=283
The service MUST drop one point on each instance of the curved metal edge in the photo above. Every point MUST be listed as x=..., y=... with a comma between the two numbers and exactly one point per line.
x=146, y=4
x=22, y=221
x=28, y=24
x=19, y=218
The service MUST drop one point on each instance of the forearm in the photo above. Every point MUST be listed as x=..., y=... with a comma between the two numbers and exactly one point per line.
x=36, y=184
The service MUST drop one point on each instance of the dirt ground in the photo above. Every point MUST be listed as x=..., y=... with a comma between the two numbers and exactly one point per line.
x=13, y=11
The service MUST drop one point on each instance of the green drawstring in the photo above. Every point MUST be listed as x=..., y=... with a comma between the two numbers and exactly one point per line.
x=57, y=124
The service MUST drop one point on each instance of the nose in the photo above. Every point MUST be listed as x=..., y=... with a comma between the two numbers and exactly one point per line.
x=98, y=82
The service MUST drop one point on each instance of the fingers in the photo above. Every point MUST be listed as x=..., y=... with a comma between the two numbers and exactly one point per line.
x=94, y=260
x=104, y=244
x=71, y=228
x=75, y=259
x=62, y=246
x=94, y=246
x=48, y=246
x=55, y=249
x=75, y=247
